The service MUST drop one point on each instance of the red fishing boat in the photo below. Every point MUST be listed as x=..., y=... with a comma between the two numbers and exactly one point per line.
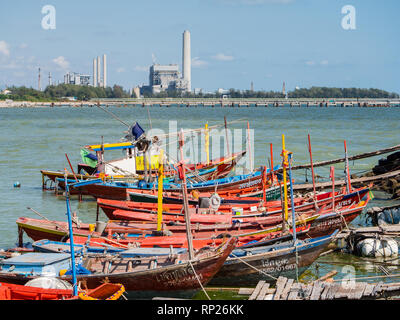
x=105, y=291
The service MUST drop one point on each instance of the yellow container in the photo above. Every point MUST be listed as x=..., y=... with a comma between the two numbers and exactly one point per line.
x=91, y=227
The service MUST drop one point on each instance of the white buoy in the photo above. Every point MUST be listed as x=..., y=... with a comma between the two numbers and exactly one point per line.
x=375, y=248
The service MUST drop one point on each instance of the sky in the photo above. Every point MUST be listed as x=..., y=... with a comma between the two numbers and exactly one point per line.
x=234, y=43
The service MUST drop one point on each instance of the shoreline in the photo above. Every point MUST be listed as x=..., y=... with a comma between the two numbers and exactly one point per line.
x=208, y=102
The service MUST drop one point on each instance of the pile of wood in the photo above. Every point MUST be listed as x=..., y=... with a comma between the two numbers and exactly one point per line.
x=390, y=185
x=288, y=289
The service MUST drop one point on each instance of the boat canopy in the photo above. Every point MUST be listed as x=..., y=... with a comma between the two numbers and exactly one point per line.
x=111, y=146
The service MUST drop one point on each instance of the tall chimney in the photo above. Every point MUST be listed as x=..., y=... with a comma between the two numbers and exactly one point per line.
x=186, y=62
x=94, y=72
x=104, y=70
x=98, y=72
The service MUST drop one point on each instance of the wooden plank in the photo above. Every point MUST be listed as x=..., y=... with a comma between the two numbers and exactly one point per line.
x=280, y=285
x=285, y=291
x=330, y=295
x=328, y=275
x=343, y=182
x=245, y=291
x=263, y=292
x=356, y=157
x=307, y=289
x=359, y=290
x=325, y=291
x=256, y=291
x=368, y=289
x=294, y=291
x=377, y=289
x=316, y=291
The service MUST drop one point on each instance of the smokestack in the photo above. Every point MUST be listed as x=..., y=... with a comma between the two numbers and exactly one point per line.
x=186, y=62
x=104, y=70
x=98, y=72
x=94, y=72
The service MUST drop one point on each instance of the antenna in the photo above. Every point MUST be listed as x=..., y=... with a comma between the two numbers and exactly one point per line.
x=39, y=87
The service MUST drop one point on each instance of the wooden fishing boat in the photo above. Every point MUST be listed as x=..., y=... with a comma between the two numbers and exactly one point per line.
x=215, y=169
x=125, y=234
x=173, y=275
x=248, y=267
x=147, y=211
x=105, y=291
x=119, y=190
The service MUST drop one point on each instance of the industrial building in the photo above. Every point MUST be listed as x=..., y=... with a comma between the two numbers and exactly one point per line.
x=77, y=79
x=167, y=77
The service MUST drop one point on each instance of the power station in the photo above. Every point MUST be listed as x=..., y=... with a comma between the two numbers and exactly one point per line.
x=167, y=77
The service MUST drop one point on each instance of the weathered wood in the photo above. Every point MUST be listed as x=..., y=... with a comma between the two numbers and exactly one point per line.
x=355, y=157
x=328, y=275
x=280, y=285
x=364, y=180
x=330, y=295
x=256, y=291
x=377, y=289
x=294, y=291
x=285, y=291
x=245, y=291
x=358, y=291
x=369, y=288
x=263, y=292
x=326, y=288
x=316, y=291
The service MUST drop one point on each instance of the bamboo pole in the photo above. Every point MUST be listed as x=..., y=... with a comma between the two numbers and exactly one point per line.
x=227, y=140
x=249, y=144
x=185, y=200
x=312, y=167
x=207, y=143
x=285, y=163
x=160, y=190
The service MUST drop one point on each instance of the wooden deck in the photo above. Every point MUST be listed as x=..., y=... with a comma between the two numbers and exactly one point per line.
x=288, y=289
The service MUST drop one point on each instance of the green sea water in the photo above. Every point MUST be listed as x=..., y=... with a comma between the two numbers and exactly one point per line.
x=33, y=139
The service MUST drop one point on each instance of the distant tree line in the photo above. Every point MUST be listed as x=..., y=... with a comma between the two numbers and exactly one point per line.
x=84, y=93
x=59, y=92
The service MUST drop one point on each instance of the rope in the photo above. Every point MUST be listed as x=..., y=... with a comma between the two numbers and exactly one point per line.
x=258, y=270
x=197, y=277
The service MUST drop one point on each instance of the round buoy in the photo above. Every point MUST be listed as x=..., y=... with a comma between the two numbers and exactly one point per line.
x=390, y=248
x=17, y=184
x=369, y=247
x=375, y=248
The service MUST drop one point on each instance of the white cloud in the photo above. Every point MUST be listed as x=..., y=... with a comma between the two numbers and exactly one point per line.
x=197, y=63
x=141, y=68
x=61, y=62
x=4, y=48
x=314, y=63
x=23, y=46
x=223, y=57
x=120, y=70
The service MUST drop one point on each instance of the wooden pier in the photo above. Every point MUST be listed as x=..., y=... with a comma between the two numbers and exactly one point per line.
x=288, y=289
x=211, y=102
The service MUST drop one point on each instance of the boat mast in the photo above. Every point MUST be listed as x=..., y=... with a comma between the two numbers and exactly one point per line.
x=182, y=176
x=71, y=237
x=347, y=171
x=312, y=167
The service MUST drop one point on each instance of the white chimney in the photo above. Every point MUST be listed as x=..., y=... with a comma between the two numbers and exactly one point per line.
x=104, y=70
x=186, y=60
x=94, y=72
x=98, y=72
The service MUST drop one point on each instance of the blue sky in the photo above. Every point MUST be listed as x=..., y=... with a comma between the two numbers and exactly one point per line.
x=234, y=42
